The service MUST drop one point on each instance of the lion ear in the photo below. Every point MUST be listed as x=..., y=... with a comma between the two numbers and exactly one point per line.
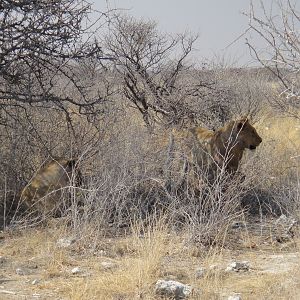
x=241, y=123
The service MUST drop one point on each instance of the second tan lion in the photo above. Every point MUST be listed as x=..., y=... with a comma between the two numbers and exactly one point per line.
x=47, y=191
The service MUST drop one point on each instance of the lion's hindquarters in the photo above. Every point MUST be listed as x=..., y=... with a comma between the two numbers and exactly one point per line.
x=190, y=160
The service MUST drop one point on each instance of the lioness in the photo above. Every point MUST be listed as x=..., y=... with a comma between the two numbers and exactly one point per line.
x=45, y=192
x=213, y=151
x=226, y=145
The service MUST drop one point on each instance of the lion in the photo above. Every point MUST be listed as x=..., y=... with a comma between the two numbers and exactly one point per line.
x=204, y=152
x=45, y=192
x=226, y=145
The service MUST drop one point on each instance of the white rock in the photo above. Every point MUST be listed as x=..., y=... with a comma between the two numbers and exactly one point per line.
x=238, y=266
x=200, y=272
x=102, y=253
x=35, y=281
x=65, y=242
x=76, y=270
x=21, y=271
x=108, y=265
x=36, y=295
x=171, y=288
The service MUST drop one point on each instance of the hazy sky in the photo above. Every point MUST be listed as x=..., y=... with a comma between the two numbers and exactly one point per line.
x=218, y=22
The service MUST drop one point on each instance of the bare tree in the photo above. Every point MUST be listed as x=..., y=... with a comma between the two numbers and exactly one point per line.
x=159, y=80
x=41, y=43
x=150, y=64
x=278, y=27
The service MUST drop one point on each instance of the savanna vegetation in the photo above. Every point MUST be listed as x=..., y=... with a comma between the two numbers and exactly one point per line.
x=108, y=91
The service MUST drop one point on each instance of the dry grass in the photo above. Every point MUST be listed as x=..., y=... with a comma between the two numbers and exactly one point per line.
x=137, y=270
x=281, y=142
x=139, y=260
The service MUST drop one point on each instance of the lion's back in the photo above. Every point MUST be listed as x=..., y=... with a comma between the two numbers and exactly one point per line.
x=187, y=153
x=44, y=191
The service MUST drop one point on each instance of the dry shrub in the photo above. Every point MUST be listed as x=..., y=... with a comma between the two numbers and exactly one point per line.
x=134, y=185
x=32, y=136
x=126, y=176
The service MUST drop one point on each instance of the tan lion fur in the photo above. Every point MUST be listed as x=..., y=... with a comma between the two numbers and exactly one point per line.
x=204, y=152
x=47, y=191
x=227, y=144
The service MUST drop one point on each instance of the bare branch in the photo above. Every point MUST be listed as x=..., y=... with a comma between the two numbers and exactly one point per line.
x=279, y=30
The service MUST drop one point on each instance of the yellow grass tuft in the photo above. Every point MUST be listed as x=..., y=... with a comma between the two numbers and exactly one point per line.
x=136, y=272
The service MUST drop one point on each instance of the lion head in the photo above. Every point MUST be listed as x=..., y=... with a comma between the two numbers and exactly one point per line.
x=230, y=141
x=247, y=136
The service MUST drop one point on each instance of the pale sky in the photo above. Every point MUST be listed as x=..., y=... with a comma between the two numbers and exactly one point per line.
x=218, y=22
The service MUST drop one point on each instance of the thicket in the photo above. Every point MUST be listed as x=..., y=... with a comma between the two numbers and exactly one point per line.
x=111, y=102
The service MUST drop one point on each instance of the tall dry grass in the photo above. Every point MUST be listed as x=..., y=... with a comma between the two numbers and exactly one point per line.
x=136, y=271
x=142, y=257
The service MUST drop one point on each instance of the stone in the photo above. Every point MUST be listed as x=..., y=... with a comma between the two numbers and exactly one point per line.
x=22, y=271
x=65, y=242
x=35, y=281
x=238, y=266
x=76, y=270
x=200, y=272
x=108, y=265
x=102, y=253
x=172, y=289
x=36, y=295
